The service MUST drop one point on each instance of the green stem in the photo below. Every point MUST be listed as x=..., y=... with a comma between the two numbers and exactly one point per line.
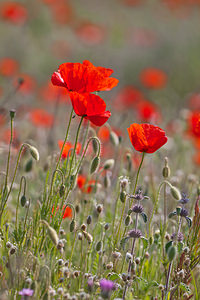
x=20, y=187
x=72, y=251
x=120, y=223
x=137, y=176
x=9, y=152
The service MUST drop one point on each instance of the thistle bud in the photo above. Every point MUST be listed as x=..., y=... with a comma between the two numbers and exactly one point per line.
x=72, y=225
x=109, y=164
x=114, y=139
x=175, y=193
x=23, y=200
x=95, y=164
x=34, y=153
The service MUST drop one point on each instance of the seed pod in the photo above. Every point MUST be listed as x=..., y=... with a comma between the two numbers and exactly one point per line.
x=178, y=210
x=122, y=196
x=34, y=153
x=72, y=225
x=99, y=246
x=23, y=200
x=95, y=164
x=52, y=233
x=114, y=139
x=175, y=193
x=62, y=190
x=12, y=113
x=109, y=164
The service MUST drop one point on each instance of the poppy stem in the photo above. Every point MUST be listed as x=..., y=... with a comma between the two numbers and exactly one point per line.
x=137, y=176
x=65, y=140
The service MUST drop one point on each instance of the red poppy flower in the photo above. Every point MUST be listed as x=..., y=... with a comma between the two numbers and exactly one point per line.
x=85, y=186
x=67, y=211
x=67, y=147
x=194, y=124
x=127, y=97
x=153, y=78
x=14, y=12
x=41, y=118
x=61, y=11
x=146, y=137
x=148, y=112
x=83, y=78
x=90, y=106
x=91, y=34
x=8, y=66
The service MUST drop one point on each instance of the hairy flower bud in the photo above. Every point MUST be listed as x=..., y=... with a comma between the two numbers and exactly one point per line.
x=95, y=164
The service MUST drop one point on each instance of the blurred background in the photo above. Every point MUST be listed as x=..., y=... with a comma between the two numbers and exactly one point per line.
x=153, y=47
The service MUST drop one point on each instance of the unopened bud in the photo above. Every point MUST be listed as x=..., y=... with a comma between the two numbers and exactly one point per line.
x=12, y=113
x=95, y=144
x=83, y=227
x=122, y=196
x=52, y=233
x=62, y=190
x=127, y=220
x=99, y=208
x=109, y=164
x=95, y=165
x=166, y=169
x=171, y=253
x=72, y=225
x=23, y=200
x=34, y=153
x=114, y=139
x=175, y=193
x=99, y=246
x=89, y=220
x=88, y=237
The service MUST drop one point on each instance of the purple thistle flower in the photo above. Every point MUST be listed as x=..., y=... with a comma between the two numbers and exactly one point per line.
x=106, y=287
x=26, y=293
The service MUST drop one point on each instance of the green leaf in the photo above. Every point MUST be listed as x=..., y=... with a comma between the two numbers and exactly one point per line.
x=114, y=276
x=123, y=242
x=144, y=216
x=145, y=242
x=189, y=221
x=172, y=214
x=180, y=246
x=168, y=245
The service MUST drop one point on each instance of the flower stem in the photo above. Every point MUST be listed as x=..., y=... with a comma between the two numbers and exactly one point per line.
x=137, y=176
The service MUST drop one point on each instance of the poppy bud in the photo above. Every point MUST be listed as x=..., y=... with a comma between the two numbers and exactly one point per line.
x=114, y=139
x=88, y=237
x=52, y=233
x=106, y=226
x=72, y=225
x=166, y=169
x=99, y=208
x=106, y=181
x=34, y=153
x=83, y=227
x=99, y=246
x=109, y=164
x=127, y=220
x=29, y=165
x=23, y=200
x=62, y=190
x=95, y=164
x=95, y=144
x=171, y=253
x=175, y=193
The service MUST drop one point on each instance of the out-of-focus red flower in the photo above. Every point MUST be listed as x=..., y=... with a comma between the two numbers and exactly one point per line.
x=91, y=107
x=127, y=97
x=13, y=12
x=51, y=93
x=28, y=84
x=83, y=78
x=60, y=49
x=194, y=102
x=8, y=67
x=194, y=124
x=85, y=186
x=67, y=147
x=41, y=118
x=143, y=37
x=61, y=11
x=90, y=34
x=104, y=134
x=66, y=210
x=146, y=137
x=148, y=112
x=153, y=78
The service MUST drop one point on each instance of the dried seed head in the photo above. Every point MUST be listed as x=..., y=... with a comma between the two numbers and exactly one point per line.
x=129, y=257
x=135, y=233
x=137, y=260
x=99, y=208
x=109, y=266
x=83, y=227
x=76, y=274
x=89, y=220
x=80, y=236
